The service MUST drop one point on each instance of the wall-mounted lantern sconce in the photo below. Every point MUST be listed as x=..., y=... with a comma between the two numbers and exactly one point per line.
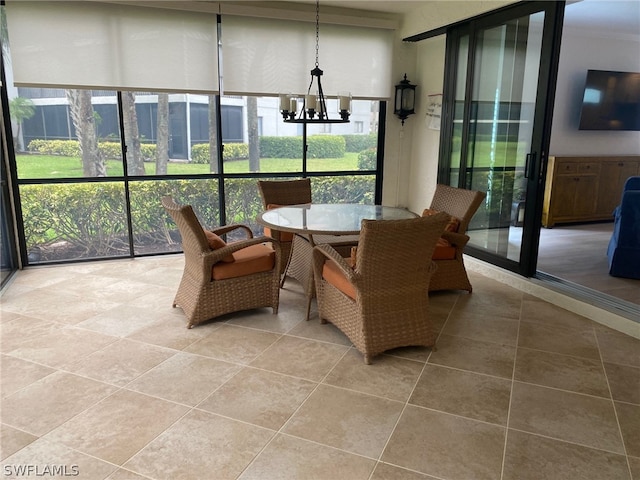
x=405, y=100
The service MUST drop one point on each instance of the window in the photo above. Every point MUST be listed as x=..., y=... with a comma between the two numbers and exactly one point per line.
x=78, y=166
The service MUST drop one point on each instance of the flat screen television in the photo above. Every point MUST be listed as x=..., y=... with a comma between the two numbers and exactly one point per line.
x=611, y=101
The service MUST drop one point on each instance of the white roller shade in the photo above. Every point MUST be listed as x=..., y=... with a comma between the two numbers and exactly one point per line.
x=109, y=46
x=267, y=56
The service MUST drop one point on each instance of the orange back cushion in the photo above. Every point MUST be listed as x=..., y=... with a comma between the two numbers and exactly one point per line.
x=215, y=242
x=452, y=225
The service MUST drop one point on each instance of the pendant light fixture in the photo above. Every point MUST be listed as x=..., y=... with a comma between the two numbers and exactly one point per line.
x=314, y=104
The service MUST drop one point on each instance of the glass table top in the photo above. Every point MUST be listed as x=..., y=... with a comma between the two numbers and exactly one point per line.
x=329, y=219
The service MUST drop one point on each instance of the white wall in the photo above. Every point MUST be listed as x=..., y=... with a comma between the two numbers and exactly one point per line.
x=580, y=51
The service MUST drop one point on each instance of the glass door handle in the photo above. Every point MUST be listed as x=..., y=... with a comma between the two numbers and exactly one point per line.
x=529, y=164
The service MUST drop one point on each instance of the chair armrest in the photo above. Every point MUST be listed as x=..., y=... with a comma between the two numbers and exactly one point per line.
x=229, y=228
x=214, y=256
x=323, y=252
x=458, y=240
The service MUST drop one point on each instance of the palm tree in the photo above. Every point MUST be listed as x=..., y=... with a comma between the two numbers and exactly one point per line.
x=20, y=109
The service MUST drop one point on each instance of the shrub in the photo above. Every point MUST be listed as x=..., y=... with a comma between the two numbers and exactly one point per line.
x=358, y=143
x=71, y=148
x=232, y=151
x=280, y=147
x=367, y=159
x=326, y=146
x=320, y=146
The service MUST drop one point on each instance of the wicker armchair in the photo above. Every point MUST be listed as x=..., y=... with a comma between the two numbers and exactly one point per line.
x=278, y=193
x=297, y=250
x=460, y=204
x=222, y=278
x=381, y=302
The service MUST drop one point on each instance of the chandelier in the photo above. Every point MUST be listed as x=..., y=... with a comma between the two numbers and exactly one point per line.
x=313, y=105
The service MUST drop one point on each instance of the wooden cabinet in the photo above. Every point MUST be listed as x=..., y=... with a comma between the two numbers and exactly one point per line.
x=584, y=189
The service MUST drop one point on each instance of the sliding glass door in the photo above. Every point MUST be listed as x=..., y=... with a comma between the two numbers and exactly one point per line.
x=496, y=125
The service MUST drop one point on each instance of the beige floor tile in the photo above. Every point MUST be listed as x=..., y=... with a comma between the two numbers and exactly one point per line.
x=233, y=344
x=446, y=446
x=416, y=353
x=61, y=347
x=474, y=355
x=223, y=449
x=314, y=330
x=12, y=440
x=581, y=419
x=68, y=463
x=120, y=362
x=160, y=300
x=531, y=457
x=389, y=377
x=61, y=307
x=478, y=326
x=617, y=347
x=171, y=331
x=384, y=471
x=18, y=373
x=580, y=375
x=123, y=474
x=535, y=310
x=467, y=394
x=289, y=458
x=51, y=401
x=340, y=418
x=258, y=397
x=264, y=319
x=121, y=321
x=634, y=466
x=567, y=341
x=119, y=426
x=505, y=305
x=97, y=286
x=624, y=382
x=21, y=330
x=629, y=418
x=300, y=357
x=185, y=378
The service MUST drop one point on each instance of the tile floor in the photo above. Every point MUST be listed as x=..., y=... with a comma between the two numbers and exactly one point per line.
x=101, y=380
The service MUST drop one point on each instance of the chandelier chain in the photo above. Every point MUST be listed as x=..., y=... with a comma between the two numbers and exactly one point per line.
x=317, y=30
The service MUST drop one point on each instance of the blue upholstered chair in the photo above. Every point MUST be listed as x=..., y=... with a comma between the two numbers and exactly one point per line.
x=624, y=246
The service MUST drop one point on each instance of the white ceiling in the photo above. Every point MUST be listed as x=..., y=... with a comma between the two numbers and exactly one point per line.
x=623, y=16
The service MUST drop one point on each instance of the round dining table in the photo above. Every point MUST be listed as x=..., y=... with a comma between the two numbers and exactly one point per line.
x=313, y=224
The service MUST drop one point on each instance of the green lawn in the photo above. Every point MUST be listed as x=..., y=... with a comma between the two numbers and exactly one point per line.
x=53, y=166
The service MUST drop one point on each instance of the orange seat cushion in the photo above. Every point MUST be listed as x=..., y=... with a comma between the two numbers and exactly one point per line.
x=444, y=250
x=333, y=275
x=252, y=259
x=452, y=225
x=215, y=242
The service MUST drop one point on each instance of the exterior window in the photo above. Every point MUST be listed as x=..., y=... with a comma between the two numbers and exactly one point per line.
x=72, y=172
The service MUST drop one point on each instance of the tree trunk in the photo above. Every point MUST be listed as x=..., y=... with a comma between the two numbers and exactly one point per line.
x=162, y=141
x=213, y=135
x=84, y=122
x=254, y=138
x=135, y=162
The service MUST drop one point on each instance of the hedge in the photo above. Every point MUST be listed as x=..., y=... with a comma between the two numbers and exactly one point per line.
x=71, y=148
x=320, y=146
x=358, y=143
x=231, y=151
x=91, y=217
